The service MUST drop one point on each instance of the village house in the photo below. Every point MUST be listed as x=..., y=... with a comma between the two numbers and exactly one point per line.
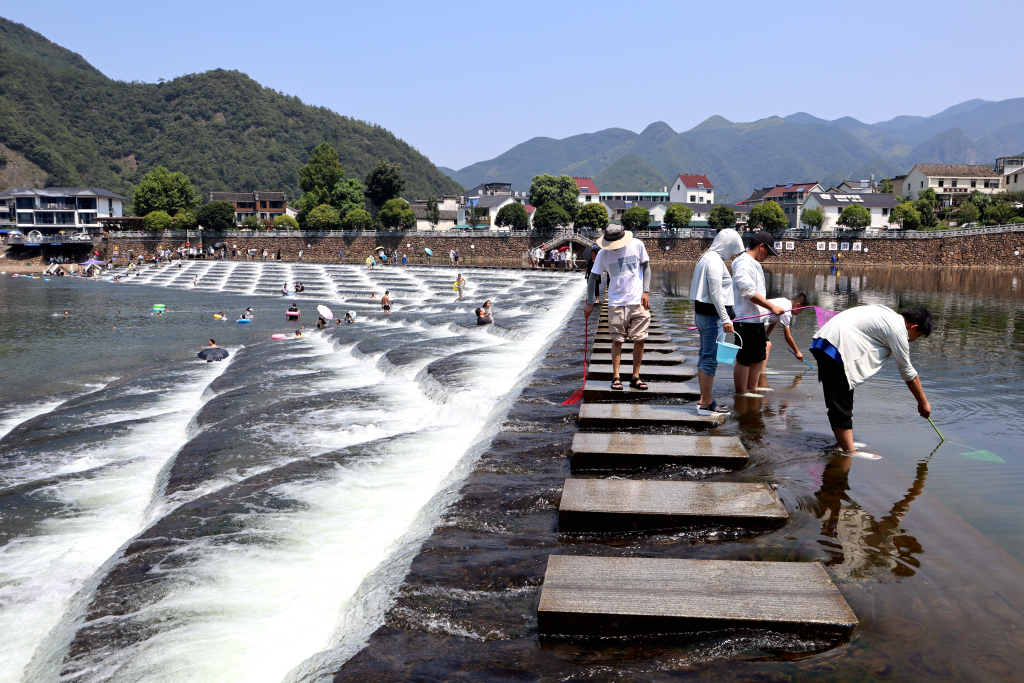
x=1012, y=171
x=448, y=207
x=952, y=182
x=635, y=196
x=701, y=213
x=791, y=197
x=54, y=210
x=691, y=189
x=264, y=205
x=831, y=205
x=588, y=190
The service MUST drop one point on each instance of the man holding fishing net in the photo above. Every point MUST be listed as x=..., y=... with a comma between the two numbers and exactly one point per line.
x=852, y=346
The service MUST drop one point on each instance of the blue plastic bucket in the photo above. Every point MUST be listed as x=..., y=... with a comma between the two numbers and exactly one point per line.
x=726, y=351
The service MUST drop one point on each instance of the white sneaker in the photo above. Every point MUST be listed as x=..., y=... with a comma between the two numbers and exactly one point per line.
x=763, y=389
x=712, y=409
x=866, y=456
x=749, y=395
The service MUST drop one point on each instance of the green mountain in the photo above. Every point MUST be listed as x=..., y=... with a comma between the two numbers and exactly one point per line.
x=739, y=157
x=61, y=117
x=630, y=172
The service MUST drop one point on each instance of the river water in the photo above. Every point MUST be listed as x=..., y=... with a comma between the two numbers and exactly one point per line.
x=165, y=519
x=275, y=497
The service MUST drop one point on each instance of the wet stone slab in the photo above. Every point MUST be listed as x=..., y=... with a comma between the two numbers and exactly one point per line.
x=598, y=391
x=658, y=373
x=606, y=347
x=623, y=597
x=611, y=416
x=597, y=451
x=633, y=505
x=605, y=357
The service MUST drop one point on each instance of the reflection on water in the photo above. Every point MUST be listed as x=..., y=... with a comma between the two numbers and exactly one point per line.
x=937, y=599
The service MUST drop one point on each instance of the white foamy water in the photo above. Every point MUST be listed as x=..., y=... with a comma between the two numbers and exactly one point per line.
x=40, y=572
x=314, y=555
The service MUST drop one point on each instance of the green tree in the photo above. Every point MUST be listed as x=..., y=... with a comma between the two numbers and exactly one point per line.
x=979, y=199
x=217, y=216
x=323, y=217
x=286, y=222
x=968, y=213
x=812, y=217
x=550, y=216
x=476, y=215
x=347, y=196
x=768, y=216
x=926, y=208
x=161, y=190
x=562, y=190
x=434, y=213
x=885, y=187
x=251, y=222
x=1000, y=212
x=678, y=216
x=384, y=182
x=358, y=219
x=186, y=219
x=514, y=217
x=637, y=218
x=396, y=213
x=855, y=217
x=158, y=221
x=593, y=216
x=722, y=217
x=322, y=172
x=928, y=194
x=906, y=216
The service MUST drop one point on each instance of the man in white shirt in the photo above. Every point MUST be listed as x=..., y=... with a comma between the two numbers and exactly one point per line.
x=451, y=258
x=629, y=301
x=852, y=347
x=749, y=294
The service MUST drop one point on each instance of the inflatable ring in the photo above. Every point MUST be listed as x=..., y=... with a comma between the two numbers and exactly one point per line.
x=278, y=336
x=243, y=321
x=217, y=316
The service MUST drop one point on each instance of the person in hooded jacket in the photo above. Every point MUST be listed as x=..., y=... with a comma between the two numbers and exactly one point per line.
x=712, y=294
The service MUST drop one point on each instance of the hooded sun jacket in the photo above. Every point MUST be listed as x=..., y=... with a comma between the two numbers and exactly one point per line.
x=712, y=283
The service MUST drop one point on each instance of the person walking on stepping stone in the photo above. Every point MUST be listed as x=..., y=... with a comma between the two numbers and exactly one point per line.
x=711, y=291
x=750, y=295
x=852, y=347
x=629, y=301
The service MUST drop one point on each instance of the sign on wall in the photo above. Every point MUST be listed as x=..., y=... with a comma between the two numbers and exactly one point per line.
x=778, y=246
x=844, y=246
x=856, y=246
x=790, y=246
x=833, y=246
x=821, y=246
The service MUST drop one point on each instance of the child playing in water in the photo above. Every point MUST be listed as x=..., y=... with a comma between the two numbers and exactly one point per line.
x=799, y=301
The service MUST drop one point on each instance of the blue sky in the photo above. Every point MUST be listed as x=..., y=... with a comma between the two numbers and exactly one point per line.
x=463, y=82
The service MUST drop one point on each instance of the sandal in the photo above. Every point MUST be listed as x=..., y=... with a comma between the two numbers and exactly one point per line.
x=637, y=383
x=616, y=384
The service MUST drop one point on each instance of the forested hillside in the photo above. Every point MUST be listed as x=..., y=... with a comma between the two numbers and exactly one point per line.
x=221, y=128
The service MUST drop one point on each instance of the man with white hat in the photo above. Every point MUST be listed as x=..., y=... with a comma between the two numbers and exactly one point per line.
x=629, y=301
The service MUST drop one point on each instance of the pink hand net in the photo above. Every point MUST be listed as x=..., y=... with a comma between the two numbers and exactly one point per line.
x=824, y=315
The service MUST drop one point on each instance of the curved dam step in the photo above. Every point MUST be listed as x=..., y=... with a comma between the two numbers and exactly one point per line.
x=598, y=451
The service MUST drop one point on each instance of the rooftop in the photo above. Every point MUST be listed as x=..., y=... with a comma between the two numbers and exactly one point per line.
x=59, y=192
x=870, y=200
x=586, y=186
x=780, y=190
x=956, y=170
x=258, y=195
x=693, y=181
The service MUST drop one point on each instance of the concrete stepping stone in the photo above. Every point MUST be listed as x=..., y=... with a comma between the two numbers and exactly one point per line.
x=601, y=391
x=634, y=505
x=597, y=451
x=658, y=373
x=650, y=359
x=628, y=346
x=651, y=339
x=634, y=596
x=612, y=416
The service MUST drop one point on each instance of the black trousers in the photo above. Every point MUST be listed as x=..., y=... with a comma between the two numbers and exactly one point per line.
x=837, y=391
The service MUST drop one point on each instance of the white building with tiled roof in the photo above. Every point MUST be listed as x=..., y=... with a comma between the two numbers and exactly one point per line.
x=952, y=182
x=689, y=188
x=831, y=205
x=53, y=210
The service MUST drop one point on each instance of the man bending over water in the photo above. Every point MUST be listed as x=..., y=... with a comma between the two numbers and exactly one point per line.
x=852, y=346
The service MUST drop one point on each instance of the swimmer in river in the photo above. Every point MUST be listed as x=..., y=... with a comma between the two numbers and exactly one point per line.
x=65, y=313
x=385, y=302
x=320, y=322
x=460, y=283
x=211, y=345
x=337, y=321
x=248, y=314
x=221, y=314
x=284, y=289
x=302, y=327
x=293, y=309
x=373, y=295
x=487, y=307
x=482, y=318
x=350, y=317
x=297, y=334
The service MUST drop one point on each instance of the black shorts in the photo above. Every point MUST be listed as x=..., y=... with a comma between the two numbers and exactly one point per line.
x=755, y=343
x=386, y=307
x=836, y=388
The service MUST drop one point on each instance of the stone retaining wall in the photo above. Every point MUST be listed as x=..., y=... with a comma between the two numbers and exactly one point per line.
x=1004, y=249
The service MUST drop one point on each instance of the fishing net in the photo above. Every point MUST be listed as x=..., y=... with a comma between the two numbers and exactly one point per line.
x=824, y=315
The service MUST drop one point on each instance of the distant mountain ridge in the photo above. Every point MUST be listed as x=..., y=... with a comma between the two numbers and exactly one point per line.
x=739, y=157
x=63, y=120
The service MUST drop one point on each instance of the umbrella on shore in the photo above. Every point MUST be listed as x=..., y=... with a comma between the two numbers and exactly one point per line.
x=220, y=245
x=430, y=252
x=92, y=262
x=213, y=353
x=325, y=312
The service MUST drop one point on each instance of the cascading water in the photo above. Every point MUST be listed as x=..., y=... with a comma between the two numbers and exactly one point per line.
x=262, y=528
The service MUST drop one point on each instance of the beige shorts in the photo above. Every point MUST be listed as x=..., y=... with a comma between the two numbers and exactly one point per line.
x=628, y=322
